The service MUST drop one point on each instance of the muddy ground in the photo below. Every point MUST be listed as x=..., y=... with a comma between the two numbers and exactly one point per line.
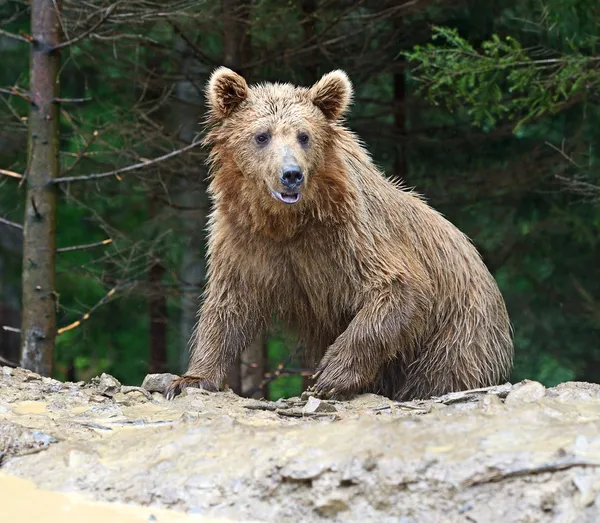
x=518, y=453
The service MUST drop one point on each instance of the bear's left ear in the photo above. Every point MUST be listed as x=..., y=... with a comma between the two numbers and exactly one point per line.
x=226, y=90
x=332, y=94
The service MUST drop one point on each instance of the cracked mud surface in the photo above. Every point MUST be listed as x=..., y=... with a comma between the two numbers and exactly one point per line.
x=518, y=453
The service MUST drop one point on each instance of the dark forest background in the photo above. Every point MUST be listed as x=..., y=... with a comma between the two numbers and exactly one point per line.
x=490, y=109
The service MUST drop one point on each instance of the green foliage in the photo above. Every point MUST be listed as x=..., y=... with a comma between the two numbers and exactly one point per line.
x=500, y=80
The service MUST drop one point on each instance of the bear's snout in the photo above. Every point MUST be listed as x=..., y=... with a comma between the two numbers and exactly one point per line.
x=292, y=177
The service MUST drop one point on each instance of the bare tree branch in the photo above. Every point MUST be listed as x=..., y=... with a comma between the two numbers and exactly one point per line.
x=141, y=165
x=6, y=362
x=86, y=246
x=16, y=92
x=15, y=37
x=11, y=224
x=80, y=37
x=86, y=316
x=12, y=174
x=72, y=100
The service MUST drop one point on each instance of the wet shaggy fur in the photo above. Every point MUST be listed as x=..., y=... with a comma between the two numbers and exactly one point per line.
x=391, y=296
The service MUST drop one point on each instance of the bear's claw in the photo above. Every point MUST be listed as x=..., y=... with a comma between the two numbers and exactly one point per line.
x=177, y=386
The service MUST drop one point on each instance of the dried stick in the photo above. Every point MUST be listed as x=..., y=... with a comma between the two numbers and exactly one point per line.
x=12, y=174
x=86, y=316
x=14, y=36
x=85, y=246
x=11, y=224
x=69, y=179
x=80, y=37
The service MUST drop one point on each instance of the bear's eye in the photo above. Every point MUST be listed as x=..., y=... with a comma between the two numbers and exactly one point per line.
x=262, y=138
x=303, y=138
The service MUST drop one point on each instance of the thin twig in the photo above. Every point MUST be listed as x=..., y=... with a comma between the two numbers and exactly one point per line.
x=14, y=36
x=85, y=246
x=12, y=174
x=86, y=316
x=103, y=19
x=15, y=92
x=71, y=100
x=8, y=363
x=69, y=179
x=11, y=224
x=526, y=471
x=11, y=329
x=271, y=376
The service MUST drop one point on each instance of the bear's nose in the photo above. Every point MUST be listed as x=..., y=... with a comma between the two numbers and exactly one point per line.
x=292, y=176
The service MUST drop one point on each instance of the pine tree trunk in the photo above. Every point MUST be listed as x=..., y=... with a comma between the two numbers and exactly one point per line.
x=248, y=370
x=309, y=9
x=189, y=193
x=400, y=166
x=157, y=306
x=38, y=328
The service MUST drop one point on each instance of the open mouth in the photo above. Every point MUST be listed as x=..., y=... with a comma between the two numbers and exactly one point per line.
x=286, y=197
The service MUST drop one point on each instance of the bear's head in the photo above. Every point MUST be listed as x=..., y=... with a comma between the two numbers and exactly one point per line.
x=276, y=135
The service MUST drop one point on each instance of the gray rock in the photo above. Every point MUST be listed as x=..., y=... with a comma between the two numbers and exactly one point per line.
x=527, y=392
x=107, y=385
x=316, y=405
x=157, y=382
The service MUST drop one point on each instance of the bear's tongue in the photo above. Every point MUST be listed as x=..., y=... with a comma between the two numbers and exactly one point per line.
x=287, y=197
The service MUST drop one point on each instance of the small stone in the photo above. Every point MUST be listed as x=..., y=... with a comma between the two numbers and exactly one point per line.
x=306, y=395
x=108, y=385
x=491, y=404
x=158, y=396
x=157, y=382
x=7, y=371
x=32, y=376
x=316, y=405
x=96, y=398
x=136, y=391
x=330, y=507
x=193, y=391
x=584, y=485
x=302, y=470
x=122, y=399
x=526, y=392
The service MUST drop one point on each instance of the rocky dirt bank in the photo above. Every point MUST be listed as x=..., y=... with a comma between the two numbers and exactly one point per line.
x=518, y=453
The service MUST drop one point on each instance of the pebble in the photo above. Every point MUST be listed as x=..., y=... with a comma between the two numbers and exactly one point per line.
x=157, y=382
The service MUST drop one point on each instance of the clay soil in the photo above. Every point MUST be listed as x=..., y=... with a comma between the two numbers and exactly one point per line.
x=104, y=452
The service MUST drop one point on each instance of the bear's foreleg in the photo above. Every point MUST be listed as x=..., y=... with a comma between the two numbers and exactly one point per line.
x=223, y=332
x=382, y=330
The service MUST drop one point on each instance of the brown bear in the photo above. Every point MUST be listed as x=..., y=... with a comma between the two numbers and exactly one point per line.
x=395, y=298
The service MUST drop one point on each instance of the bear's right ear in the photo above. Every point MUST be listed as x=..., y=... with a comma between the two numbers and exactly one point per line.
x=226, y=90
x=332, y=94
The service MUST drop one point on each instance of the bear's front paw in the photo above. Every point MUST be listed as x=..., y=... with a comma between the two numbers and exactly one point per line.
x=335, y=384
x=177, y=386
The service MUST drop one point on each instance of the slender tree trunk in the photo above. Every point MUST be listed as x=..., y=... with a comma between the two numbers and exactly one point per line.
x=185, y=114
x=400, y=106
x=400, y=165
x=309, y=9
x=236, y=34
x=249, y=369
x=11, y=249
x=157, y=306
x=38, y=328
x=157, y=299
